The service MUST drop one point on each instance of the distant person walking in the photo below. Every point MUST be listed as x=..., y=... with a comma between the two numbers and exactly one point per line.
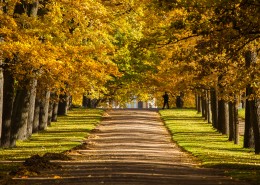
x=166, y=100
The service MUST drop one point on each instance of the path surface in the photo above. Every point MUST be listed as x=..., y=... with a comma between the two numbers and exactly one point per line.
x=130, y=147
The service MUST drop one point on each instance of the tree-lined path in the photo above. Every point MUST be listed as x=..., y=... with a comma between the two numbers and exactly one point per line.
x=130, y=147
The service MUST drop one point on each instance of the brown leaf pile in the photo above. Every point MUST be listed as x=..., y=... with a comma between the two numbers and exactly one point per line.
x=33, y=165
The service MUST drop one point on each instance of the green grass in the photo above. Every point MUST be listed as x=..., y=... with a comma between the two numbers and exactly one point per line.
x=241, y=113
x=63, y=135
x=212, y=149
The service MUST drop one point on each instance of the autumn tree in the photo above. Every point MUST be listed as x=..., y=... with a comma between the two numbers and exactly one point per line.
x=223, y=31
x=44, y=42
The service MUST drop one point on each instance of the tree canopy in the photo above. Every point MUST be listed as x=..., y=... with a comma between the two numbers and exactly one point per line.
x=115, y=48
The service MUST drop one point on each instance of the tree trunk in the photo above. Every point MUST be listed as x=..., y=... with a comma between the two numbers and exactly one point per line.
x=231, y=121
x=20, y=116
x=243, y=100
x=50, y=112
x=1, y=92
x=214, y=107
x=226, y=125
x=203, y=106
x=63, y=104
x=36, y=119
x=236, y=121
x=92, y=103
x=221, y=116
x=55, y=111
x=256, y=124
x=199, y=104
x=209, y=115
x=95, y=102
x=248, y=132
x=249, y=141
x=32, y=107
x=70, y=102
x=7, y=109
x=251, y=58
x=44, y=108
x=84, y=101
x=196, y=101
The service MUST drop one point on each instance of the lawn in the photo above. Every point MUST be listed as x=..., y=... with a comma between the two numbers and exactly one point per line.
x=61, y=136
x=210, y=147
x=241, y=113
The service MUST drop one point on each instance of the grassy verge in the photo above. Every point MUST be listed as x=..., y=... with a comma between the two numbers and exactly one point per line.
x=63, y=135
x=241, y=113
x=213, y=149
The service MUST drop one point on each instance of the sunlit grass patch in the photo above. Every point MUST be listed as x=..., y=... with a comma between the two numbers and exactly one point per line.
x=213, y=149
x=241, y=113
x=63, y=135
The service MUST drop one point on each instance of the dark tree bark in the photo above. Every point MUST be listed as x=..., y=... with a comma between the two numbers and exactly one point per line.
x=1, y=92
x=222, y=117
x=196, y=101
x=214, y=107
x=249, y=141
x=20, y=116
x=70, y=103
x=90, y=103
x=249, y=133
x=7, y=108
x=226, y=125
x=32, y=107
x=44, y=108
x=50, y=112
x=199, y=104
x=231, y=121
x=84, y=101
x=1, y=84
x=256, y=124
x=209, y=115
x=222, y=109
x=251, y=58
x=243, y=100
x=36, y=119
x=236, y=121
x=55, y=111
x=203, y=106
x=63, y=104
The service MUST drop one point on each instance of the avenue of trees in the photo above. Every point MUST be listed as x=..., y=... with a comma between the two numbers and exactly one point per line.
x=52, y=51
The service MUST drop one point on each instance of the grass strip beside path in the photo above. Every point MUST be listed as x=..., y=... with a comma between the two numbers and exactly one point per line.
x=241, y=113
x=195, y=135
x=61, y=136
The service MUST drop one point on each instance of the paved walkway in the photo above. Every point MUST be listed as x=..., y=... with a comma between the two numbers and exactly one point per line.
x=130, y=147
